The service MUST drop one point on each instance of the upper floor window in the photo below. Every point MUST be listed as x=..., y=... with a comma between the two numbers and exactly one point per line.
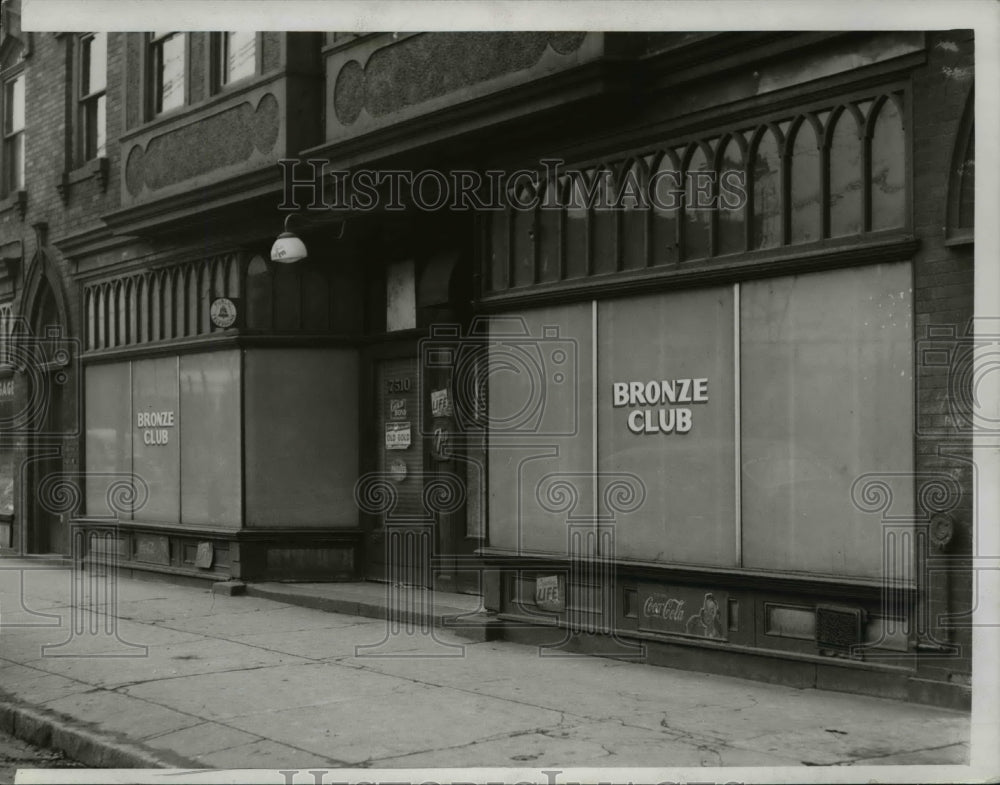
x=92, y=98
x=167, y=54
x=236, y=56
x=13, y=134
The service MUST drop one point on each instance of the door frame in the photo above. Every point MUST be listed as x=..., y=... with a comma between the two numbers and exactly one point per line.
x=401, y=346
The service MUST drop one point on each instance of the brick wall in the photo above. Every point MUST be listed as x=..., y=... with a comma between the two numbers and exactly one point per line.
x=943, y=297
x=49, y=216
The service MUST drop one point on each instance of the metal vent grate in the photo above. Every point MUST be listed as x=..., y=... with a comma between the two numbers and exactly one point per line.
x=839, y=628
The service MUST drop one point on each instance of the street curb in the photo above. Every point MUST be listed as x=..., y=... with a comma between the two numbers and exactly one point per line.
x=50, y=730
x=476, y=627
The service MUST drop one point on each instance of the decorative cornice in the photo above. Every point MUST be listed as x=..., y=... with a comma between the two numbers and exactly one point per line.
x=595, y=79
x=229, y=339
x=173, y=212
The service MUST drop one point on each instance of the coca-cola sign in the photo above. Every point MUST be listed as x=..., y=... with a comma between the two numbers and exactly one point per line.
x=684, y=611
x=670, y=608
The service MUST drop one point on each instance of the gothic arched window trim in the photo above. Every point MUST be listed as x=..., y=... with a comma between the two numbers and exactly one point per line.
x=962, y=161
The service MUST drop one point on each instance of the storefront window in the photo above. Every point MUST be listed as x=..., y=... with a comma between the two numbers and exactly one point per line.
x=677, y=345
x=155, y=446
x=175, y=424
x=110, y=429
x=540, y=401
x=209, y=434
x=826, y=397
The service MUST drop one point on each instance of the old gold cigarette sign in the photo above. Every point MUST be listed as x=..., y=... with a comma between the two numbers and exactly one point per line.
x=659, y=406
x=397, y=435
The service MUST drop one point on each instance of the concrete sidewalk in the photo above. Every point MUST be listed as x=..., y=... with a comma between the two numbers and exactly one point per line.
x=186, y=677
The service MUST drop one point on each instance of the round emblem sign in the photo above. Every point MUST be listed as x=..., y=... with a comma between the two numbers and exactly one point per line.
x=223, y=312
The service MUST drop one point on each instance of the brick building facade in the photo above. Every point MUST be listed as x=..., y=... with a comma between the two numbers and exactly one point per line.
x=811, y=521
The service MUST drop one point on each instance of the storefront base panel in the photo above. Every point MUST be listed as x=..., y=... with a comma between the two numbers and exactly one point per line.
x=219, y=555
x=799, y=630
x=771, y=667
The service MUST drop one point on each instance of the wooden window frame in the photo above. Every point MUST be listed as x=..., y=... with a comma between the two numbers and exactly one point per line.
x=85, y=100
x=153, y=52
x=218, y=50
x=8, y=185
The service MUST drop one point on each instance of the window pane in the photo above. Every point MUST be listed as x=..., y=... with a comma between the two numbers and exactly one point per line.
x=171, y=73
x=634, y=216
x=209, y=438
x=101, y=135
x=732, y=234
x=806, y=207
x=15, y=149
x=549, y=237
x=767, y=193
x=826, y=397
x=577, y=226
x=155, y=451
x=888, y=169
x=94, y=64
x=14, y=109
x=697, y=220
x=845, y=177
x=683, y=451
x=604, y=223
x=241, y=55
x=665, y=193
x=499, y=250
